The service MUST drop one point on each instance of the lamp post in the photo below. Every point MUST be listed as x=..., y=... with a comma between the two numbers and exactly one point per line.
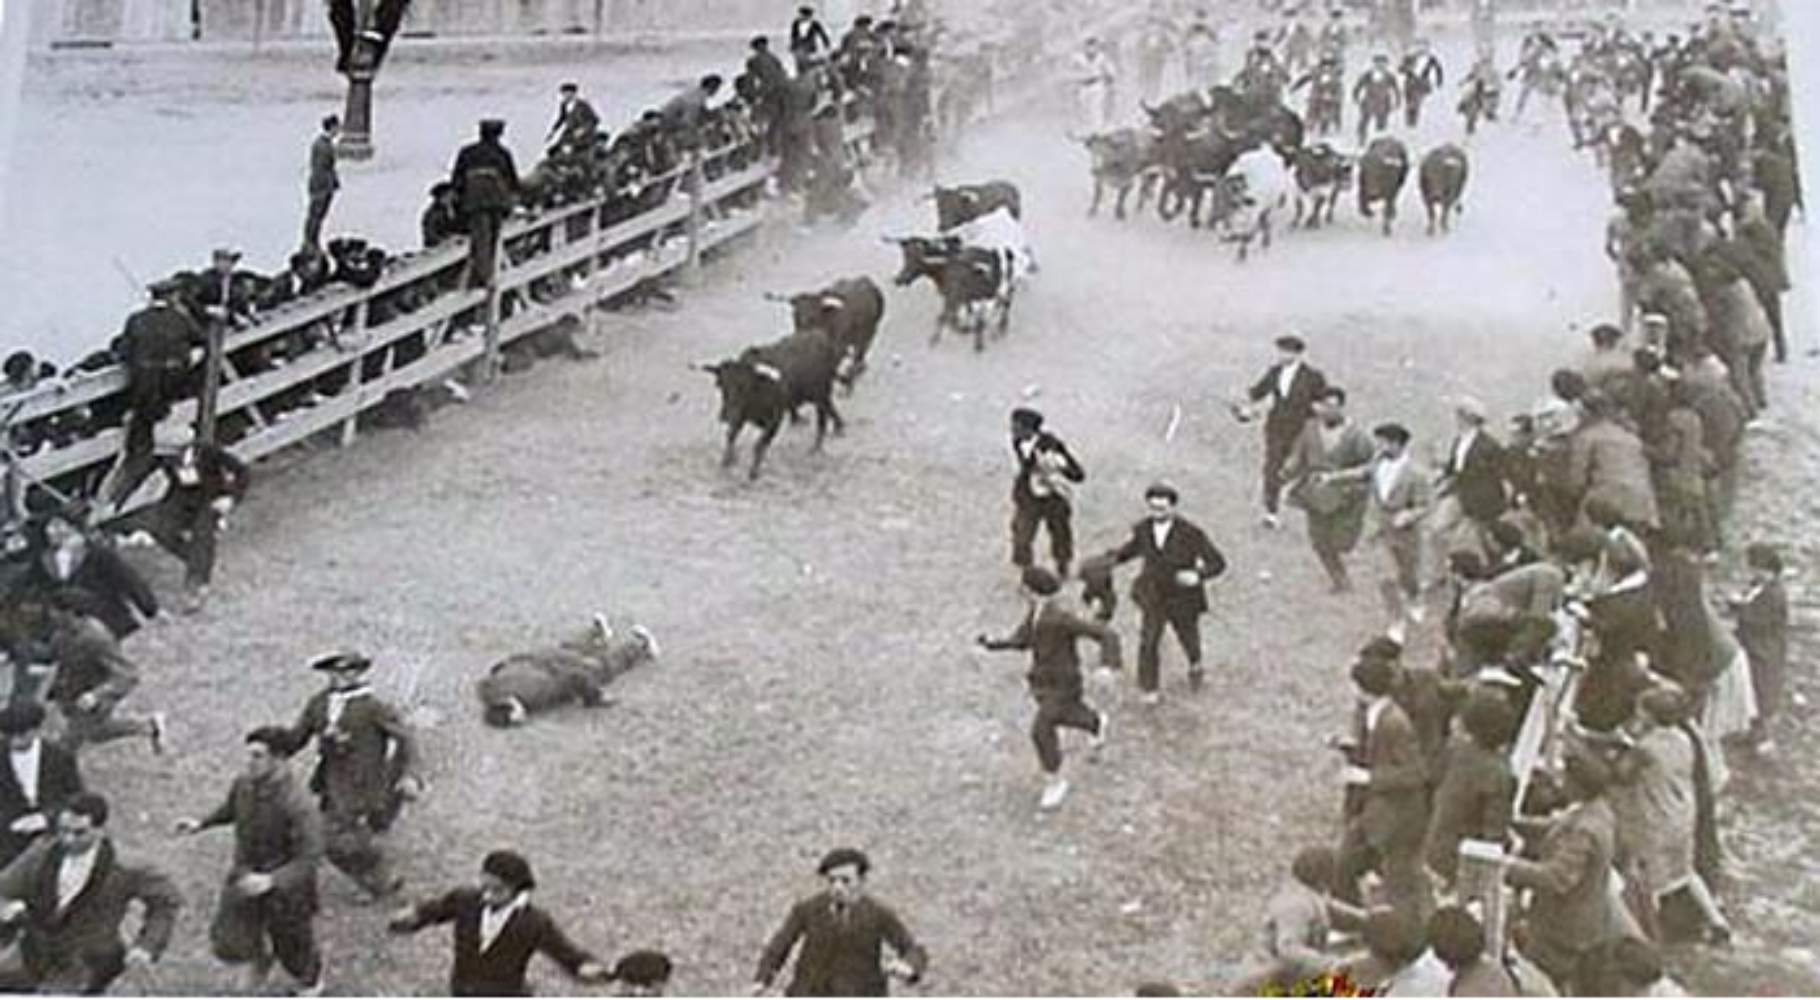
x=356, y=142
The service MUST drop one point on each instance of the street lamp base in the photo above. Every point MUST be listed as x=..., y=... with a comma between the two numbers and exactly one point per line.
x=352, y=147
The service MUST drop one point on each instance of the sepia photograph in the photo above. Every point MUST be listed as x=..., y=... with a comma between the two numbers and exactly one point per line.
x=921, y=497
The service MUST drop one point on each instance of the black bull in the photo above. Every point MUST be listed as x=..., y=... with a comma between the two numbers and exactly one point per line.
x=768, y=382
x=1442, y=180
x=1382, y=172
x=848, y=311
x=970, y=280
x=957, y=206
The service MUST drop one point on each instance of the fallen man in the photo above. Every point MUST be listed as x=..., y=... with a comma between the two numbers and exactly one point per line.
x=578, y=670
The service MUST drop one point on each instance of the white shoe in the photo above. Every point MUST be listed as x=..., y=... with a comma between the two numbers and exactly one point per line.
x=1054, y=792
x=1097, y=741
x=1397, y=633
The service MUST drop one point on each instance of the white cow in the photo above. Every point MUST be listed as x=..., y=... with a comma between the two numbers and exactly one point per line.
x=1257, y=187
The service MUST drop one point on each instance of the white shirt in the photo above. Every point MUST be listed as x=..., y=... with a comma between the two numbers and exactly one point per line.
x=338, y=702
x=73, y=876
x=1385, y=474
x=1159, y=530
x=1286, y=379
x=1462, y=446
x=25, y=767
x=494, y=919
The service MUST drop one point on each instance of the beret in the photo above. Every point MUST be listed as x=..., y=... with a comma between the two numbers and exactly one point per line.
x=509, y=867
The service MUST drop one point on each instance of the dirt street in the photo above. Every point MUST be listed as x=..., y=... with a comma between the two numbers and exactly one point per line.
x=819, y=686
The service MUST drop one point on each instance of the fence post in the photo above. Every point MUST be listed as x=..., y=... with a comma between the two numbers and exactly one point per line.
x=697, y=192
x=489, y=359
x=211, y=381
x=356, y=372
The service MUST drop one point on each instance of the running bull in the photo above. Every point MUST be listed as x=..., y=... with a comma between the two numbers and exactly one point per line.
x=975, y=283
x=766, y=383
x=1442, y=179
x=1121, y=159
x=577, y=671
x=1383, y=170
x=848, y=311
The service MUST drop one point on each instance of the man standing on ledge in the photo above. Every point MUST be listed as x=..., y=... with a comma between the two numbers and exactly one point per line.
x=1292, y=386
x=486, y=189
x=324, y=182
x=1050, y=632
x=1178, y=562
x=843, y=931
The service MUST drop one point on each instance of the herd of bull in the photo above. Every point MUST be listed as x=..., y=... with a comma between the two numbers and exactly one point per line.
x=975, y=261
x=1247, y=166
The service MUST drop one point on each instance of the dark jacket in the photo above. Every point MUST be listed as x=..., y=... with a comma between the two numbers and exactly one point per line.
x=1477, y=793
x=576, y=671
x=485, y=179
x=58, y=782
x=276, y=832
x=108, y=588
x=1288, y=412
x=840, y=957
x=1047, y=450
x=82, y=943
x=159, y=336
x=1187, y=547
x=1394, y=810
x=499, y=971
x=1478, y=482
x=323, y=178
x=1051, y=634
x=362, y=756
x=89, y=661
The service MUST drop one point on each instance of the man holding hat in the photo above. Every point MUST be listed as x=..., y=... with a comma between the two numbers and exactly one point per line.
x=37, y=779
x=1170, y=588
x=1291, y=386
x=1041, y=491
x=268, y=904
x=1049, y=632
x=497, y=930
x=843, y=931
x=485, y=180
x=365, y=770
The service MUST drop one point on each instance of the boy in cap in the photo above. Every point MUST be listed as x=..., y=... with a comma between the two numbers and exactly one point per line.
x=267, y=907
x=497, y=930
x=40, y=778
x=366, y=769
x=1051, y=633
x=1046, y=472
x=843, y=931
x=1170, y=589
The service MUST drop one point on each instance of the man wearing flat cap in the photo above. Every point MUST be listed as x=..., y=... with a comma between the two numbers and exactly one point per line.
x=576, y=123
x=497, y=930
x=1050, y=633
x=267, y=908
x=843, y=931
x=486, y=191
x=1401, y=496
x=441, y=220
x=1170, y=589
x=1290, y=387
x=36, y=780
x=366, y=768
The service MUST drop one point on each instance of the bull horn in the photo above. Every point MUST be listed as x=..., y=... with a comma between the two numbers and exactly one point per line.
x=776, y=297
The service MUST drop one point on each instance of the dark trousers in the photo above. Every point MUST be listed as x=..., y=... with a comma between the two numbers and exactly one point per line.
x=259, y=929
x=1372, y=119
x=350, y=845
x=1277, y=446
x=313, y=217
x=1187, y=628
x=483, y=247
x=1412, y=107
x=1057, y=707
x=150, y=391
x=1399, y=866
x=186, y=529
x=1050, y=512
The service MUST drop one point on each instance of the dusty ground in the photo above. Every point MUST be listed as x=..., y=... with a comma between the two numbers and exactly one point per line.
x=818, y=685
